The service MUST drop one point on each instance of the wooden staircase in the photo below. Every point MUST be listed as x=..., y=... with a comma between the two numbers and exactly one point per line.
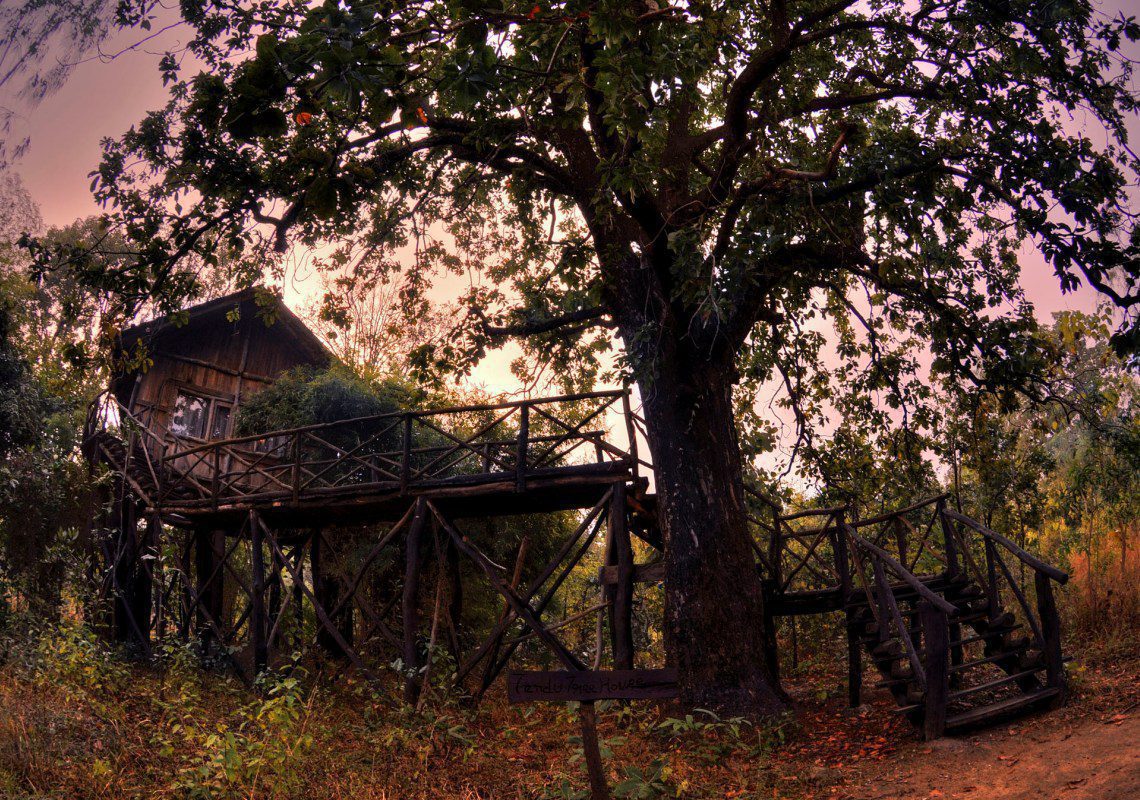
x=995, y=670
x=930, y=598
x=133, y=454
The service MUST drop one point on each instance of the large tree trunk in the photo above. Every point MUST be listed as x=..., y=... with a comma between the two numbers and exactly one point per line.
x=714, y=620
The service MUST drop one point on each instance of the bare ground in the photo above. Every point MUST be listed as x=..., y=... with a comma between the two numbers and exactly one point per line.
x=1089, y=749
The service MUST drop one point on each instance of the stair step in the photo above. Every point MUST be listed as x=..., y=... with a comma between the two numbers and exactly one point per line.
x=1010, y=653
x=995, y=683
x=980, y=637
x=976, y=716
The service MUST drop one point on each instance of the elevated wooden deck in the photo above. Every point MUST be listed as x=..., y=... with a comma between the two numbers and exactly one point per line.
x=528, y=456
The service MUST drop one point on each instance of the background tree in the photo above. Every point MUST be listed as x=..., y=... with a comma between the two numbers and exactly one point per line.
x=373, y=324
x=702, y=180
x=41, y=41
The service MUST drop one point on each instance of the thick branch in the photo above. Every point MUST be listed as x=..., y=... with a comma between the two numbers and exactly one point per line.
x=531, y=327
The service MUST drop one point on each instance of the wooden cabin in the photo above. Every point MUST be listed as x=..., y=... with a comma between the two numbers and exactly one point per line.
x=204, y=363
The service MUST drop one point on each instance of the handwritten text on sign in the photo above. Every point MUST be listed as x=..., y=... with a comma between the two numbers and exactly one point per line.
x=632, y=684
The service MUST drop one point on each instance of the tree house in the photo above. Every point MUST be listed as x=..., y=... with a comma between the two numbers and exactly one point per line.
x=207, y=534
x=201, y=364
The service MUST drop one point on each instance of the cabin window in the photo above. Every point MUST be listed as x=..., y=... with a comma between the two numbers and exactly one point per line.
x=195, y=415
x=190, y=415
x=220, y=427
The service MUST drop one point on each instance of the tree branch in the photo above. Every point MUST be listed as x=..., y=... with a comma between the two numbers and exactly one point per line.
x=531, y=327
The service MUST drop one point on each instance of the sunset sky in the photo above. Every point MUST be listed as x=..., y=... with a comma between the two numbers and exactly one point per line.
x=104, y=97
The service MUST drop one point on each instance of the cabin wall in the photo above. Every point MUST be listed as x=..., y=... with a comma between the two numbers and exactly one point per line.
x=223, y=361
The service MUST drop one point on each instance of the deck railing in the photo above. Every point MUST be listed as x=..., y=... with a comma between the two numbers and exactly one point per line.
x=400, y=451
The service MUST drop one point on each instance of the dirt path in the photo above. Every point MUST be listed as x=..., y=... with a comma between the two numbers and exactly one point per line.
x=1089, y=749
x=1090, y=759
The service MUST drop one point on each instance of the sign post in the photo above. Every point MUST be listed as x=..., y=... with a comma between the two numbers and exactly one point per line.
x=587, y=686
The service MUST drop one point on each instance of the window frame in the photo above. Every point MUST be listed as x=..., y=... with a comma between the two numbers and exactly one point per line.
x=212, y=402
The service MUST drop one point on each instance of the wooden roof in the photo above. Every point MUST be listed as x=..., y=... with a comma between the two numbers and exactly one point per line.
x=214, y=312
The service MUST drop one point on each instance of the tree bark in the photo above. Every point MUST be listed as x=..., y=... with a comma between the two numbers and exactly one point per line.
x=714, y=607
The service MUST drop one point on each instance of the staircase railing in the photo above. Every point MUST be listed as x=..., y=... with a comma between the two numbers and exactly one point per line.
x=927, y=650
x=992, y=572
x=106, y=416
x=802, y=551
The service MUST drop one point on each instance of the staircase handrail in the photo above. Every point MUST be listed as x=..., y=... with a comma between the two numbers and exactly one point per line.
x=862, y=523
x=1060, y=576
x=901, y=572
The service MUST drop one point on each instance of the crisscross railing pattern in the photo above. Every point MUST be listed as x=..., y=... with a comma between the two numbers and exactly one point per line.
x=799, y=552
x=405, y=450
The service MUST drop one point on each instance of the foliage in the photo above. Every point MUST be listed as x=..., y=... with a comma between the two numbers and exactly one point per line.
x=46, y=377
x=374, y=325
x=729, y=149
x=257, y=751
x=308, y=396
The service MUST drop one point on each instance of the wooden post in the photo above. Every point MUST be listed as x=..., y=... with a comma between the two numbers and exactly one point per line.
x=949, y=543
x=184, y=622
x=771, y=645
x=775, y=545
x=273, y=612
x=935, y=631
x=406, y=454
x=630, y=431
x=991, y=581
x=257, y=619
x=1051, y=631
x=157, y=575
x=326, y=591
x=854, y=651
x=454, y=597
x=412, y=564
x=209, y=550
x=599, y=788
x=521, y=447
x=489, y=668
x=215, y=479
x=123, y=555
x=296, y=479
x=619, y=552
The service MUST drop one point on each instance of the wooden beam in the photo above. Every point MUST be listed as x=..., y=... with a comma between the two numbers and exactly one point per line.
x=412, y=563
x=591, y=685
x=653, y=572
x=621, y=609
x=569, y=660
x=257, y=619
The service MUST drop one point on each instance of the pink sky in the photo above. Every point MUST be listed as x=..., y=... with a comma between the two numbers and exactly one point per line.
x=104, y=98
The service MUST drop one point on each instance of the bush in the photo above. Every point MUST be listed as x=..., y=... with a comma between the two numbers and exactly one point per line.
x=307, y=396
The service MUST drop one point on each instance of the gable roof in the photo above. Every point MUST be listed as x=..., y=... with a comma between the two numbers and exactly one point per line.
x=216, y=311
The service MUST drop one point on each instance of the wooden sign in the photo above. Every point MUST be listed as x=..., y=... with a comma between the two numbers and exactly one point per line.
x=653, y=572
x=588, y=685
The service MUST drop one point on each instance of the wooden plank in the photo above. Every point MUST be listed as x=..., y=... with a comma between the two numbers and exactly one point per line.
x=590, y=685
x=653, y=572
